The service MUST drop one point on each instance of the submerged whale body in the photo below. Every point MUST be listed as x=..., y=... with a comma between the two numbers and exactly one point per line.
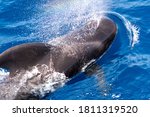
x=66, y=54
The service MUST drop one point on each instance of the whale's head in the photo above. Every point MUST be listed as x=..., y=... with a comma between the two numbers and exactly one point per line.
x=101, y=34
x=84, y=44
x=97, y=35
x=106, y=31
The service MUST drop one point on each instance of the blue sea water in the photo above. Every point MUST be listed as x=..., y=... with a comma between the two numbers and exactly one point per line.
x=123, y=71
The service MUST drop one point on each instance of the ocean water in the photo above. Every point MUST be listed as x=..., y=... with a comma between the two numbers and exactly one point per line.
x=123, y=72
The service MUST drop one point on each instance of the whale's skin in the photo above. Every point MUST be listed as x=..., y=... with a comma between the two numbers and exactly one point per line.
x=68, y=54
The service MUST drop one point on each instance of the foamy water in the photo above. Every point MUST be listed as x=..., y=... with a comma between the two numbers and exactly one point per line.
x=36, y=82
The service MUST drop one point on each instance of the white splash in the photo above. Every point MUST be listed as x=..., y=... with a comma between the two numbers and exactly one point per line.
x=3, y=74
x=54, y=81
x=136, y=32
x=41, y=80
x=116, y=96
x=133, y=32
x=38, y=81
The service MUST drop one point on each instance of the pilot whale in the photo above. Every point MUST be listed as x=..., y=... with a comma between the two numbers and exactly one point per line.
x=66, y=54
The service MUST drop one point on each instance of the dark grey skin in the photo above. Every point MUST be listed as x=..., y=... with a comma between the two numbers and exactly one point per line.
x=70, y=53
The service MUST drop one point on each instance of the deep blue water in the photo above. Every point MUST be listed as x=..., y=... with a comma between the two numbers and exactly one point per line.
x=123, y=72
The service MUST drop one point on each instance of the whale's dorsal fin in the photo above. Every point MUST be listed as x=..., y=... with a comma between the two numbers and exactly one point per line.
x=24, y=56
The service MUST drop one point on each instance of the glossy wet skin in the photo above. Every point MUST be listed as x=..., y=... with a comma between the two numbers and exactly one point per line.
x=67, y=54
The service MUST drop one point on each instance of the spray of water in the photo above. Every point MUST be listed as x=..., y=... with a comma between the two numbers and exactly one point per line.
x=60, y=17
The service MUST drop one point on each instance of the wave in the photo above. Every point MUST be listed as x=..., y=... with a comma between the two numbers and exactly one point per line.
x=133, y=30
